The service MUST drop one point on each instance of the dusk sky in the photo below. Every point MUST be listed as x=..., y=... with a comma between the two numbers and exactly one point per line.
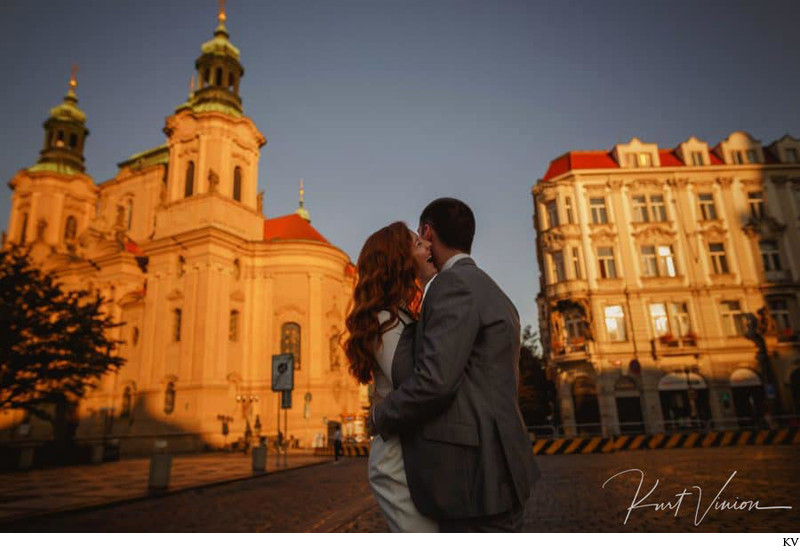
x=382, y=106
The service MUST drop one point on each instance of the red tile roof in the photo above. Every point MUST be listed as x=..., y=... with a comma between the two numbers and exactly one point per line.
x=291, y=227
x=576, y=160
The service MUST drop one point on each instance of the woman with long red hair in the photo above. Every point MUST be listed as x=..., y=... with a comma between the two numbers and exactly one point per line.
x=393, y=268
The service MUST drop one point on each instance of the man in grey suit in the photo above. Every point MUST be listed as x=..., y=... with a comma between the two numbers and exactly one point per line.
x=468, y=458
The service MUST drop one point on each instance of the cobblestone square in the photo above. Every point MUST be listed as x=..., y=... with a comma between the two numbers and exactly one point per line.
x=569, y=497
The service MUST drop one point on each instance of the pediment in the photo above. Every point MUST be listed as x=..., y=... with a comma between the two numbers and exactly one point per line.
x=654, y=232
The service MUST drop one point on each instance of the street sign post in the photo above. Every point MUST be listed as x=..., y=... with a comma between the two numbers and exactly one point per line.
x=283, y=382
x=282, y=372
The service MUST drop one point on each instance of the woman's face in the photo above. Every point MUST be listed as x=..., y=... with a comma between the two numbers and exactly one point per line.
x=421, y=252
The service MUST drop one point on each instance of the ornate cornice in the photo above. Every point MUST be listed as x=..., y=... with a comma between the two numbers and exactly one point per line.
x=653, y=232
x=603, y=233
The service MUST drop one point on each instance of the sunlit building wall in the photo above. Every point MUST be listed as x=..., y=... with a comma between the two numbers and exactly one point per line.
x=651, y=262
x=208, y=289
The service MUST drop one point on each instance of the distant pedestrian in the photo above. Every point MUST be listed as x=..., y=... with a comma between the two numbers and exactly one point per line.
x=337, y=444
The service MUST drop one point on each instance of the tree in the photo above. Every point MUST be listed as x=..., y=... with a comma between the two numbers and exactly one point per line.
x=54, y=344
x=537, y=393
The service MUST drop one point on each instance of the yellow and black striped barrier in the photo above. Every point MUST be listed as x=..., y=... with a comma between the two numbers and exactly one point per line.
x=714, y=439
x=349, y=450
x=608, y=444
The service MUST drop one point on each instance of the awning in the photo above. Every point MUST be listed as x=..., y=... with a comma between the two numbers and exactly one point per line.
x=744, y=377
x=677, y=381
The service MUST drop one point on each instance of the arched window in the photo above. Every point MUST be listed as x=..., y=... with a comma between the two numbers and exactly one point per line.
x=290, y=342
x=219, y=76
x=127, y=403
x=169, y=398
x=237, y=184
x=176, y=325
x=233, y=326
x=189, y=188
x=60, y=138
x=70, y=228
x=23, y=232
x=206, y=77
x=129, y=213
x=73, y=141
x=230, y=79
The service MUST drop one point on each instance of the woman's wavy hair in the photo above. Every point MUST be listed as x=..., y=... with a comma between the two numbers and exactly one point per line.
x=386, y=281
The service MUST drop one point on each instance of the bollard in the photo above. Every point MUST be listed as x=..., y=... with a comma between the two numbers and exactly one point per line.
x=26, y=458
x=160, y=465
x=260, y=458
x=97, y=453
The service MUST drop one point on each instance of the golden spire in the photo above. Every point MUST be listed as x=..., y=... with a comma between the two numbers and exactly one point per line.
x=301, y=211
x=73, y=78
x=302, y=193
x=221, y=14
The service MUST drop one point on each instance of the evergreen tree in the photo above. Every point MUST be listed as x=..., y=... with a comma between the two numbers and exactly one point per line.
x=54, y=344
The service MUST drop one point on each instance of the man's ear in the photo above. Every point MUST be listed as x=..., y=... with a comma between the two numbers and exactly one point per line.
x=426, y=232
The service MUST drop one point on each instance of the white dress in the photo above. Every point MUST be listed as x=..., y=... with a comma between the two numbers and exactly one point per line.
x=387, y=475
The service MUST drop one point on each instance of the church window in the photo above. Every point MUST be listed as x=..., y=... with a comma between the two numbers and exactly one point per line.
x=129, y=213
x=70, y=228
x=290, y=342
x=230, y=80
x=233, y=326
x=219, y=77
x=176, y=325
x=189, y=187
x=206, y=77
x=23, y=233
x=169, y=398
x=73, y=141
x=60, y=138
x=237, y=184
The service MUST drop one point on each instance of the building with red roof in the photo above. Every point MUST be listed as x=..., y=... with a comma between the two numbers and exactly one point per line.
x=206, y=289
x=651, y=263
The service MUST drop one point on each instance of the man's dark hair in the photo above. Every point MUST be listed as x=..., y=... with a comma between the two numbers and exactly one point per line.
x=453, y=222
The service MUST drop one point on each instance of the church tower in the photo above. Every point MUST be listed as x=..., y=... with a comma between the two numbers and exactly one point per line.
x=213, y=149
x=54, y=200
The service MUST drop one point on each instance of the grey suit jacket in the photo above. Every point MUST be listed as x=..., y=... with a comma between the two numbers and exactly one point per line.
x=466, y=450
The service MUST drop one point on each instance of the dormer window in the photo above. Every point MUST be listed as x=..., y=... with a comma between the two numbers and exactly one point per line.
x=752, y=156
x=639, y=160
x=791, y=155
x=737, y=157
x=697, y=158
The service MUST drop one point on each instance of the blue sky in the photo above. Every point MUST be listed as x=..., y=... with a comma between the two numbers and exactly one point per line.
x=381, y=106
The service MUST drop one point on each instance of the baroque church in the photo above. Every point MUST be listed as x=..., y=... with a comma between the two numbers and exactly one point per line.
x=207, y=288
